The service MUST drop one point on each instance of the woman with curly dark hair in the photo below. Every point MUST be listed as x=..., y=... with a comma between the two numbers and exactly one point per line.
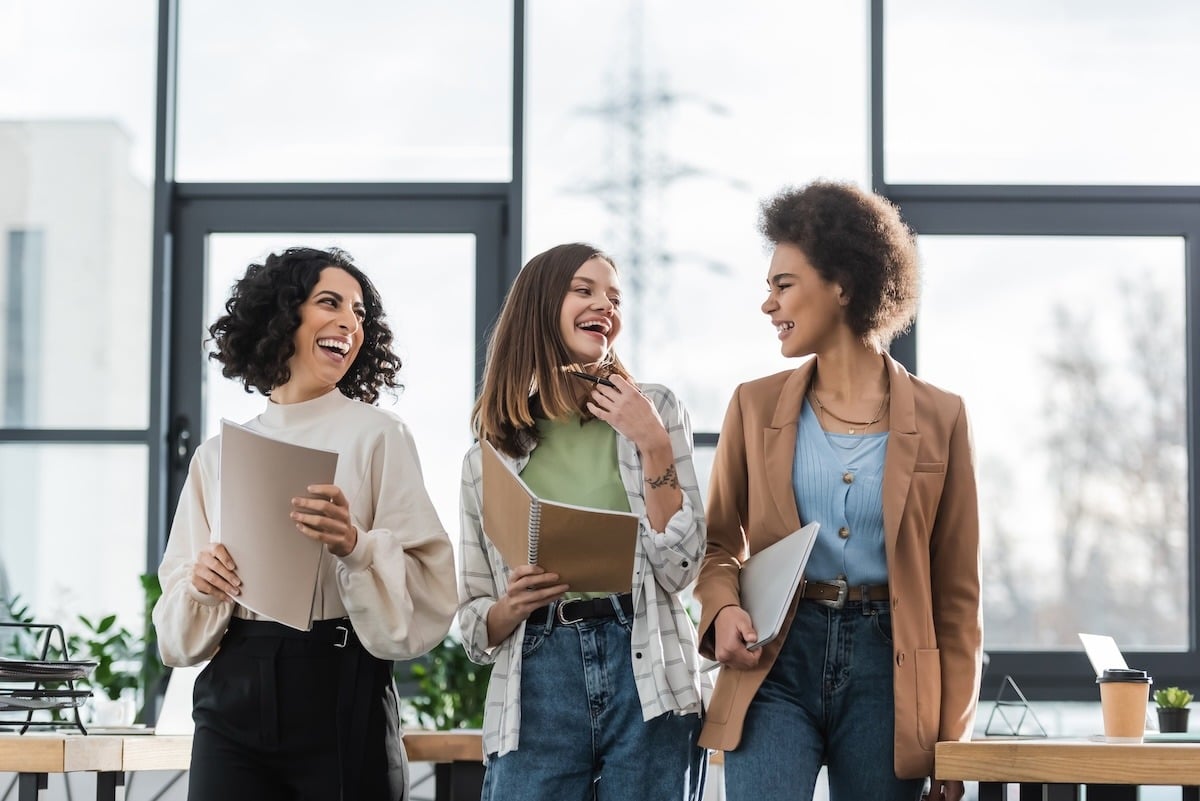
x=282, y=713
x=880, y=656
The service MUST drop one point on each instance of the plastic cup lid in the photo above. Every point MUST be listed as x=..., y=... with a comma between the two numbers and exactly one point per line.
x=1124, y=675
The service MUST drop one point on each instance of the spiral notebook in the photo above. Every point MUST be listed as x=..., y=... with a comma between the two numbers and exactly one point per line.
x=590, y=549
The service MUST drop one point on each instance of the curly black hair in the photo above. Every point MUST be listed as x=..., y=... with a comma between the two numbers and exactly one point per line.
x=856, y=239
x=253, y=340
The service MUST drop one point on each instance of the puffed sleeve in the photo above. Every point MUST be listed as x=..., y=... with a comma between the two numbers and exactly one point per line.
x=398, y=583
x=676, y=552
x=477, y=588
x=189, y=623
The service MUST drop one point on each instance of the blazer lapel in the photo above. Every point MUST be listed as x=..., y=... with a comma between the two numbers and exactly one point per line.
x=903, y=443
x=779, y=446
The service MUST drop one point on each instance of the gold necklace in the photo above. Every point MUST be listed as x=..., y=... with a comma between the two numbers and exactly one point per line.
x=812, y=393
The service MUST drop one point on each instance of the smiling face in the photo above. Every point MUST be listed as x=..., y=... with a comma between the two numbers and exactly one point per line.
x=807, y=311
x=328, y=339
x=591, y=312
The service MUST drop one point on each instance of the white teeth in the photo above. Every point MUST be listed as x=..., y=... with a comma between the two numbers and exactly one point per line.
x=339, y=345
x=785, y=327
x=596, y=324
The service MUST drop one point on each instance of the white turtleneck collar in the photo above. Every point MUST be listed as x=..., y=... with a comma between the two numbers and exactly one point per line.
x=292, y=415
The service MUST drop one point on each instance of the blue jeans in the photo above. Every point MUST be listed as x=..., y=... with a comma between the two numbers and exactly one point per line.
x=828, y=699
x=582, y=733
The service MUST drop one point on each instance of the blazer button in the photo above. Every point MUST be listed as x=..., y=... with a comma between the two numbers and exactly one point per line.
x=844, y=533
x=900, y=658
x=848, y=477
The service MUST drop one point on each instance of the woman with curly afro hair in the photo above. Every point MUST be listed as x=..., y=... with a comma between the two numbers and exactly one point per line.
x=282, y=713
x=880, y=656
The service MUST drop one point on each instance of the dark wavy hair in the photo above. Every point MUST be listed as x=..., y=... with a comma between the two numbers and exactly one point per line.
x=856, y=239
x=253, y=340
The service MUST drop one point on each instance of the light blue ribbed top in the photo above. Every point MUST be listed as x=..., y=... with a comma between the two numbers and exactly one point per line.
x=822, y=462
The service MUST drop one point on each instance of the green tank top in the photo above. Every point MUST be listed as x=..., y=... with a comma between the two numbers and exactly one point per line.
x=577, y=464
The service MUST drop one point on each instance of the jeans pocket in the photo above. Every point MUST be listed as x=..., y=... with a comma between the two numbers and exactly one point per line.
x=533, y=640
x=882, y=623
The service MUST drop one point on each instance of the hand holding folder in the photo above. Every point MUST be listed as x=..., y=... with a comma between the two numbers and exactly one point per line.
x=277, y=564
x=590, y=549
x=769, y=579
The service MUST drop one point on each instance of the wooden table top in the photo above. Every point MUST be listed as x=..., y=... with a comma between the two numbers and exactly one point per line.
x=38, y=752
x=1068, y=761
x=55, y=752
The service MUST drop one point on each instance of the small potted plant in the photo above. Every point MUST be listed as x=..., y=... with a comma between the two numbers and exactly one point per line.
x=1172, y=709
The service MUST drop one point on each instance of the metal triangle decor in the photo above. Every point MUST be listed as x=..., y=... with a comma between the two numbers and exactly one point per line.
x=1011, y=716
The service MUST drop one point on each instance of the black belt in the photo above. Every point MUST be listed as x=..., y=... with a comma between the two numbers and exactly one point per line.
x=337, y=631
x=566, y=612
x=837, y=593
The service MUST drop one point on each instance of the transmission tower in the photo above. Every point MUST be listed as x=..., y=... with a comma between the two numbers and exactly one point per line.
x=637, y=171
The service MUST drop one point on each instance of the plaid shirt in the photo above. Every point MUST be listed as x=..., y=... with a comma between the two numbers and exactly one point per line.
x=666, y=675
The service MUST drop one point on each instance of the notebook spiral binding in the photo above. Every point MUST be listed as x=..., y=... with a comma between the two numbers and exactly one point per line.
x=535, y=530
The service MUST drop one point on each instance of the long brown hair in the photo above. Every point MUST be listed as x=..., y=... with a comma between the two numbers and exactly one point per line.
x=524, y=377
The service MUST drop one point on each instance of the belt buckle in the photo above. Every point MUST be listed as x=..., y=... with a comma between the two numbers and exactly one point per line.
x=840, y=601
x=344, y=631
x=558, y=612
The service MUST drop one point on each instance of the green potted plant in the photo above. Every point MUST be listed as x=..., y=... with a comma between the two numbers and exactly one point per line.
x=450, y=689
x=1172, y=709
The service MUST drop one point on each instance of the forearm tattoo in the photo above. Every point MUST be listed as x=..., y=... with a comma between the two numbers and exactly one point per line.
x=667, y=479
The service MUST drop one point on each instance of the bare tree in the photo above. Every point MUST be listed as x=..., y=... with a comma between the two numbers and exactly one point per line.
x=1118, y=467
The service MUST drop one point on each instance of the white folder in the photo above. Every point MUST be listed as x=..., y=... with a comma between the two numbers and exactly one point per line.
x=769, y=579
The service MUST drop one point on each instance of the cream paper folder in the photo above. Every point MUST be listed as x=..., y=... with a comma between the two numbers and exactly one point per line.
x=277, y=564
x=590, y=549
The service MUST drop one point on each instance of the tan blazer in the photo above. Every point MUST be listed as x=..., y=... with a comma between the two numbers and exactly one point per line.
x=931, y=532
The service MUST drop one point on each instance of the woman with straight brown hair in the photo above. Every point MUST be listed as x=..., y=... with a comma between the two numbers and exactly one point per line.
x=593, y=695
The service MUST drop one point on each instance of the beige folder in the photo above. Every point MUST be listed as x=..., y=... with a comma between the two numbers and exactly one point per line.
x=277, y=564
x=590, y=549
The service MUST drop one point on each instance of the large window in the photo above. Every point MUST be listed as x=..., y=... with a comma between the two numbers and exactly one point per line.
x=1041, y=92
x=76, y=169
x=299, y=90
x=1055, y=204
x=1078, y=409
x=659, y=148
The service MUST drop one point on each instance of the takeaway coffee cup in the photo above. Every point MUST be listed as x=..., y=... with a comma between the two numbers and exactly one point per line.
x=1124, y=694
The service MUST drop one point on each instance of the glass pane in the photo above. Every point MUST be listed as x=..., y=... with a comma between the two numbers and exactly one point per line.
x=1030, y=91
x=658, y=149
x=1070, y=355
x=417, y=275
x=702, y=458
x=73, y=531
x=77, y=160
x=384, y=90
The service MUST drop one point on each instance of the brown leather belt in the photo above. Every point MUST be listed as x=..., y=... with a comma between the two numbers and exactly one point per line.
x=837, y=593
